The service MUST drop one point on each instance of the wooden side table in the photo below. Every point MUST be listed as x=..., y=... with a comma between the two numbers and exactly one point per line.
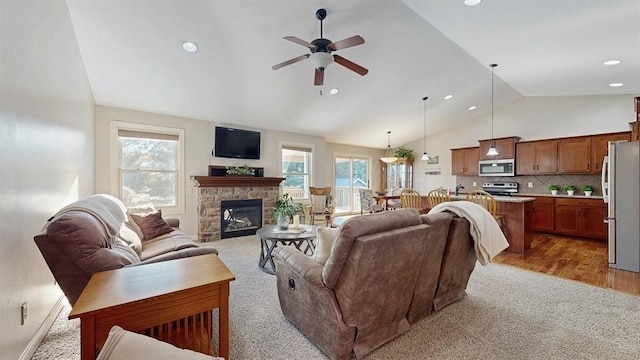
x=170, y=301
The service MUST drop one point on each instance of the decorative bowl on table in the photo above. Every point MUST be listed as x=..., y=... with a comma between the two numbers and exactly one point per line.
x=381, y=192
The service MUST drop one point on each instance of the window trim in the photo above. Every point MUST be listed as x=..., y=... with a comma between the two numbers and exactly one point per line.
x=115, y=156
x=299, y=147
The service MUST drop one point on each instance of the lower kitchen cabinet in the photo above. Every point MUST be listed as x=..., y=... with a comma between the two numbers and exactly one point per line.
x=581, y=217
x=543, y=214
x=570, y=216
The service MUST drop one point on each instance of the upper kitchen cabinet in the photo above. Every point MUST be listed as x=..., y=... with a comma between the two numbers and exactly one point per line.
x=574, y=155
x=465, y=161
x=600, y=148
x=634, y=130
x=506, y=148
x=536, y=157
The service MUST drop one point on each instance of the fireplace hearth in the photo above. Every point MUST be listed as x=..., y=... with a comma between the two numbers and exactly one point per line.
x=240, y=217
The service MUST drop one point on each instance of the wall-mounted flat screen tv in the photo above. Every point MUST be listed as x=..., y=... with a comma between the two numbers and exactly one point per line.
x=237, y=143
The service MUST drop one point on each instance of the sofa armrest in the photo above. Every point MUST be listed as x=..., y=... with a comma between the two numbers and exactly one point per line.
x=302, y=265
x=173, y=222
x=180, y=254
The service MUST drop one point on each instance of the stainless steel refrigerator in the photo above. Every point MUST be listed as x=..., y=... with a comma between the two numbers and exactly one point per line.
x=621, y=191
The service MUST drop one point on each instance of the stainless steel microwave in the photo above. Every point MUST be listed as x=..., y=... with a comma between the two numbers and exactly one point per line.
x=502, y=167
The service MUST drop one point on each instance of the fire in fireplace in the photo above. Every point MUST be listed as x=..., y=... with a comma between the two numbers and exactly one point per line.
x=240, y=217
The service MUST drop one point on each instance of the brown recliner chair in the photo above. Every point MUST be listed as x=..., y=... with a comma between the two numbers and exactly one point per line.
x=360, y=298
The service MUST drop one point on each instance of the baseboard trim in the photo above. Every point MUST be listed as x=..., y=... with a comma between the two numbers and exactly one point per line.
x=32, y=346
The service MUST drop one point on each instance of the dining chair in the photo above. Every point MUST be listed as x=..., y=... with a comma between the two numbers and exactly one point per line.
x=368, y=203
x=392, y=204
x=321, y=207
x=437, y=196
x=487, y=201
x=410, y=198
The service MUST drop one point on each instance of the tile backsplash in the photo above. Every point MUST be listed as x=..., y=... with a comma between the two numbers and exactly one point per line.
x=540, y=183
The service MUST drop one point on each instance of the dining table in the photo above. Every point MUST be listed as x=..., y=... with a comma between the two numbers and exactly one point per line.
x=384, y=199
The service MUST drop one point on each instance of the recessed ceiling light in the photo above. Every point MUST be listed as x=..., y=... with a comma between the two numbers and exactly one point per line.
x=334, y=91
x=612, y=62
x=472, y=107
x=448, y=97
x=616, y=84
x=472, y=2
x=190, y=47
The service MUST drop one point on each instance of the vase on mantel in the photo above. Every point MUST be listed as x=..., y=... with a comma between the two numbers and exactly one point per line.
x=554, y=192
x=570, y=192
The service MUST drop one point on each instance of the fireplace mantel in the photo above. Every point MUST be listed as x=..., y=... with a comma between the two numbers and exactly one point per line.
x=235, y=181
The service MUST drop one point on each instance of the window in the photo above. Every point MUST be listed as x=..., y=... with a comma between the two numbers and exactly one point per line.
x=149, y=166
x=296, y=170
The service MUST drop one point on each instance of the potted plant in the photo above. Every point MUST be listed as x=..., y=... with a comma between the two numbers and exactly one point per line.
x=554, y=189
x=588, y=190
x=242, y=170
x=403, y=152
x=570, y=189
x=285, y=208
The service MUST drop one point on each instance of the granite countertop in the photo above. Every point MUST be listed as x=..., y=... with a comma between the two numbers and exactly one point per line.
x=563, y=196
x=511, y=199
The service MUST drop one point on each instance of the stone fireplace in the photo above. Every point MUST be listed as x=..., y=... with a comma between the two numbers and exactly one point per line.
x=213, y=190
x=240, y=217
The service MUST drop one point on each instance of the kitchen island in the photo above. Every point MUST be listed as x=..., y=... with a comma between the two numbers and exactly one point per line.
x=517, y=212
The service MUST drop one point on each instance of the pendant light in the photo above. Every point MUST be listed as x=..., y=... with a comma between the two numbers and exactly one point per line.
x=388, y=153
x=492, y=150
x=425, y=156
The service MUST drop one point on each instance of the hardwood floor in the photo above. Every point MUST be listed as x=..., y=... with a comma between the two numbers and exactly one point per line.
x=575, y=259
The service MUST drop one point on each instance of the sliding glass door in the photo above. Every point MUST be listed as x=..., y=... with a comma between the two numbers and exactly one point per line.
x=350, y=175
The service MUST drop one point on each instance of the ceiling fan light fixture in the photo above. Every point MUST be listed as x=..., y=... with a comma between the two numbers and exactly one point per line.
x=388, y=153
x=321, y=60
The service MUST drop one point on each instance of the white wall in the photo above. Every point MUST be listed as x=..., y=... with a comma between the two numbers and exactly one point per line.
x=199, y=140
x=531, y=118
x=46, y=153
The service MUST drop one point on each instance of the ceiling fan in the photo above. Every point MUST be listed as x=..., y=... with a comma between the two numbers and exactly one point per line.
x=321, y=49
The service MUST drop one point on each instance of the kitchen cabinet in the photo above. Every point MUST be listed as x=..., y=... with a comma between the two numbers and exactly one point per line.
x=600, y=148
x=543, y=214
x=634, y=129
x=464, y=161
x=506, y=148
x=397, y=175
x=536, y=157
x=574, y=155
x=581, y=217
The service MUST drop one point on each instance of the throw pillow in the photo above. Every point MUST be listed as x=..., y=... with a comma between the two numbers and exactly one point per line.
x=326, y=237
x=129, y=235
x=139, y=210
x=152, y=225
x=124, y=345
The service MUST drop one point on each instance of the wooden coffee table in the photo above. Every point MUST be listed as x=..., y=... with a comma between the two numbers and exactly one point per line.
x=170, y=300
x=270, y=236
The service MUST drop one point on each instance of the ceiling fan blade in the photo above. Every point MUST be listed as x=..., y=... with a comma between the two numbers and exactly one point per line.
x=346, y=43
x=350, y=65
x=300, y=42
x=319, y=78
x=289, y=62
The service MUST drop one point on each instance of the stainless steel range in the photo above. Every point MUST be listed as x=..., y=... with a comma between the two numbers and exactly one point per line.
x=506, y=188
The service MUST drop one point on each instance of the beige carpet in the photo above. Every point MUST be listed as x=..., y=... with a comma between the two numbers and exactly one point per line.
x=508, y=314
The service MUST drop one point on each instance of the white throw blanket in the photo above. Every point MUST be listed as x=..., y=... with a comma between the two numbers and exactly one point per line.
x=105, y=208
x=485, y=231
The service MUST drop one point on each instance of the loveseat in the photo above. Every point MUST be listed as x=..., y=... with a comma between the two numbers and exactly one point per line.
x=98, y=233
x=384, y=272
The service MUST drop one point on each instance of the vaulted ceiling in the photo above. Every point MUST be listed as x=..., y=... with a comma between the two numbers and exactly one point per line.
x=132, y=51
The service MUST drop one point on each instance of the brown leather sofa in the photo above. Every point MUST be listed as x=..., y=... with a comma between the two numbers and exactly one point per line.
x=95, y=234
x=385, y=272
